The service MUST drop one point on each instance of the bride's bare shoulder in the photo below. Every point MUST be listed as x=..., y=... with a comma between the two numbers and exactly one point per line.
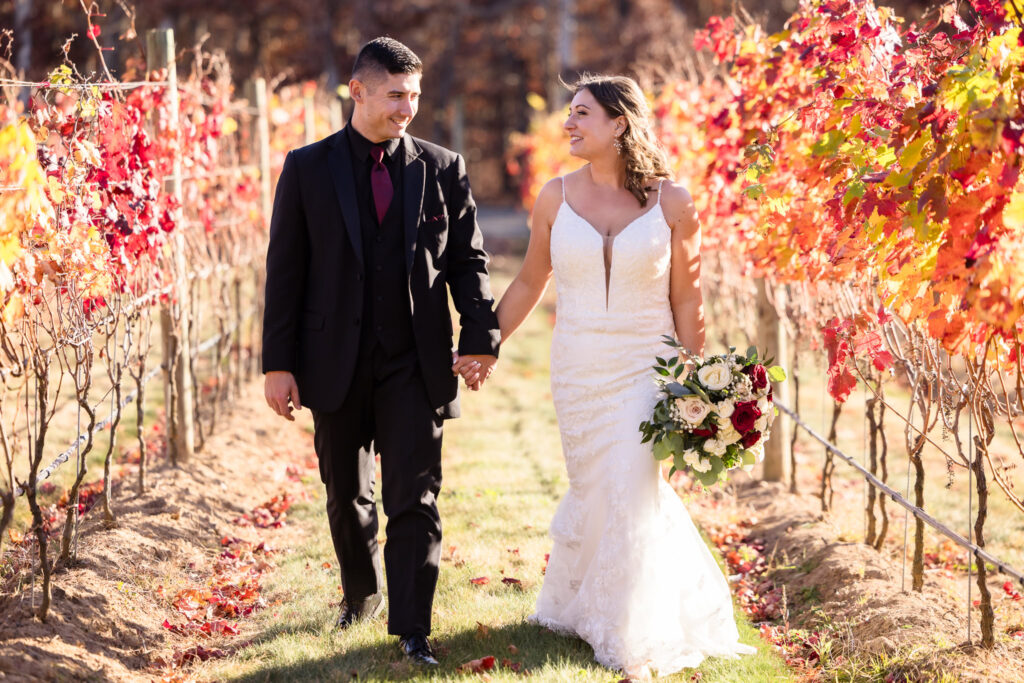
x=678, y=205
x=548, y=200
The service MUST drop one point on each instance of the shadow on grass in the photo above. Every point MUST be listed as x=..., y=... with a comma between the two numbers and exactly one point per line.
x=534, y=648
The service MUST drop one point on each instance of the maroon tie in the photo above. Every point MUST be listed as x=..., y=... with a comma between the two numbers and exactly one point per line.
x=380, y=183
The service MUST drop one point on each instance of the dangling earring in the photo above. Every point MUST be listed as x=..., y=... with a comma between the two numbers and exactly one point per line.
x=618, y=146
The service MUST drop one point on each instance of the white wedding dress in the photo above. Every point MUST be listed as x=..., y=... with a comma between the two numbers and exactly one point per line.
x=628, y=572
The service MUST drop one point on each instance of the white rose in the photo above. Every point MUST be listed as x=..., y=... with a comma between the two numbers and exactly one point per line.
x=702, y=465
x=762, y=404
x=691, y=457
x=725, y=408
x=693, y=409
x=727, y=434
x=715, y=446
x=761, y=423
x=758, y=450
x=715, y=376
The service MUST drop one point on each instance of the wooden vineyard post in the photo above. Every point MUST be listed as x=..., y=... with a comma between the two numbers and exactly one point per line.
x=771, y=338
x=258, y=100
x=174, y=321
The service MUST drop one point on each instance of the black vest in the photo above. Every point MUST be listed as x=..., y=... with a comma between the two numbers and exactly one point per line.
x=387, y=318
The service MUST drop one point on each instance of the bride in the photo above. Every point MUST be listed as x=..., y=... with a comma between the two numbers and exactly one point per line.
x=628, y=573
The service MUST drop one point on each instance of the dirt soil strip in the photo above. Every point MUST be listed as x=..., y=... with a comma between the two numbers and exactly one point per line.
x=108, y=613
x=855, y=590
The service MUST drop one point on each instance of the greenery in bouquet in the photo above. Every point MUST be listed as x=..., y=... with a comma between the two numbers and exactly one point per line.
x=715, y=418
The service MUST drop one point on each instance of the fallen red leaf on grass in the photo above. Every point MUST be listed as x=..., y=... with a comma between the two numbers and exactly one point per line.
x=511, y=581
x=480, y=581
x=514, y=666
x=197, y=652
x=478, y=665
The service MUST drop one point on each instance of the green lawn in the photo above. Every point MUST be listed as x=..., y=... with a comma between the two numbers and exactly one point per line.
x=503, y=478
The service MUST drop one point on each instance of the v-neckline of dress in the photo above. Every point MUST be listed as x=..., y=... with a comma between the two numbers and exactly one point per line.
x=608, y=251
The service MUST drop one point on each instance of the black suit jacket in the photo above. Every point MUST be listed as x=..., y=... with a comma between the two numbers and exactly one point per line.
x=315, y=270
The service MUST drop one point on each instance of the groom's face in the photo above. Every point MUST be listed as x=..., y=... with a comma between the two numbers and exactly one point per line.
x=385, y=104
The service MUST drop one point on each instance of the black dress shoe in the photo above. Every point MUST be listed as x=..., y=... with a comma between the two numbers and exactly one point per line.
x=417, y=648
x=351, y=612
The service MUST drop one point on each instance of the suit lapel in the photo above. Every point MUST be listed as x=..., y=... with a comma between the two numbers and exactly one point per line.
x=339, y=161
x=412, y=201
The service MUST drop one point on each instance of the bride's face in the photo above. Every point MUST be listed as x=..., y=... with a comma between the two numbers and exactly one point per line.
x=591, y=131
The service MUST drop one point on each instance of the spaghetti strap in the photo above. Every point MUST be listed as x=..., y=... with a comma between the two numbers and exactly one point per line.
x=660, y=183
x=562, y=178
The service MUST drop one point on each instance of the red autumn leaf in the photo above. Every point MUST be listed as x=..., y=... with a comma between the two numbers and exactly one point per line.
x=508, y=580
x=477, y=665
x=93, y=32
x=480, y=581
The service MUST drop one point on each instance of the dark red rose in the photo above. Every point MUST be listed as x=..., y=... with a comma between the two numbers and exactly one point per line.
x=745, y=415
x=758, y=375
x=709, y=432
x=750, y=438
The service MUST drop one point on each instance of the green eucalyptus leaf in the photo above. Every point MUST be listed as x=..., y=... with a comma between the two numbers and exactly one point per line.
x=678, y=390
x=697, y=389
x=662, y=450
x=675, y=442
x=776, y=373
x=708, y=479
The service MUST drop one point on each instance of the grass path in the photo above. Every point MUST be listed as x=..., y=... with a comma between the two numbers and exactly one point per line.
x=503, y=478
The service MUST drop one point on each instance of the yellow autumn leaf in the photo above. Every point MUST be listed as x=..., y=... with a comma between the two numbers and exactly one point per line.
x=57, y=193
x=229, y=126
x=1013, y=213
x=912, y=151
x=536, y=102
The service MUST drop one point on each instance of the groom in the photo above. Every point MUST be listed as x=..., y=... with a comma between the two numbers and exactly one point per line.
x=371, y=228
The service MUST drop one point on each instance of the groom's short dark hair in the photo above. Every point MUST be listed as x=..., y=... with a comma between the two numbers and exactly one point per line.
x=383, y=56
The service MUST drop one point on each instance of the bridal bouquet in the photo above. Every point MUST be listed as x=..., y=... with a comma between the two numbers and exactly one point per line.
x=718, y=417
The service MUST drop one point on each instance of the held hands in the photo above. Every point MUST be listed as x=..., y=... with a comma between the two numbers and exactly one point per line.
x=279, y=388
x=475, y=369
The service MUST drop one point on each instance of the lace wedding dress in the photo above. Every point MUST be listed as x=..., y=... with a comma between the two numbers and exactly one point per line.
x=628, y=572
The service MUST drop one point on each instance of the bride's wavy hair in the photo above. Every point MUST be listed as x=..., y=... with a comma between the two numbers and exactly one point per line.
x=621, y=96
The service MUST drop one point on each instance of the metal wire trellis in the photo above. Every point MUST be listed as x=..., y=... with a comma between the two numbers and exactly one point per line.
x=979, y=553
x=65, y=456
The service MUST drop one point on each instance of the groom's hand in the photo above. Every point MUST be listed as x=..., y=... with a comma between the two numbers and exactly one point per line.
x=474, y=369
x=279, y=388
